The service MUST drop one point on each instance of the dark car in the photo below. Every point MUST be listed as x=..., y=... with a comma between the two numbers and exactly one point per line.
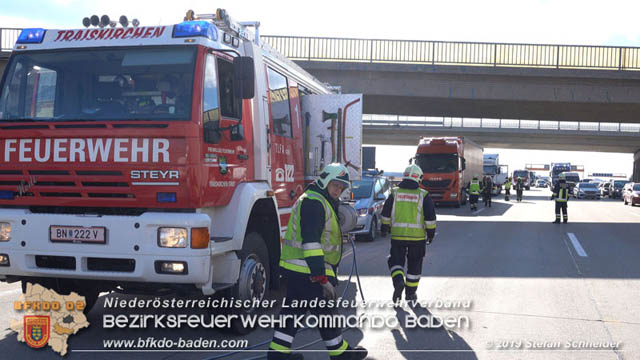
x=631, y=194
x=615, y=190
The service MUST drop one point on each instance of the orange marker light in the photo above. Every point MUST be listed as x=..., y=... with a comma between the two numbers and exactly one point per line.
x=199, y=238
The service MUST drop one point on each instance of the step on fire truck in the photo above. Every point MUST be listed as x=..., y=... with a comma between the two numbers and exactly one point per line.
x=144, y=159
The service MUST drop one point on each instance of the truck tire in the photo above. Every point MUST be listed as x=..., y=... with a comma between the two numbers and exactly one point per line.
x=464, y=195
x=253, y=281
x=66, y=287
x=372, y=231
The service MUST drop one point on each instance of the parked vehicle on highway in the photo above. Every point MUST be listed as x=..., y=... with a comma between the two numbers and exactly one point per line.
x=449, y=164
x=605, y=189
x=631, y=194
x=586, y=190
x=498, y=173
x=615, y=191
x=541, y=183
x=572, y=179
x=525, y=175
x=370, y=193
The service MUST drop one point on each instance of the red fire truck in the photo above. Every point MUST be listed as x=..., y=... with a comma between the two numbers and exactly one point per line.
x=159, y=158
x=448, y=165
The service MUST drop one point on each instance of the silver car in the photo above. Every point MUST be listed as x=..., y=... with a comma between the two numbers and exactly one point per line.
x=369, y=194
x=586, y=190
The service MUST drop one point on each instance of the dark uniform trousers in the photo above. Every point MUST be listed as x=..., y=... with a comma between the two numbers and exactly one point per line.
x=412, y=253
x=300, y=287
x=561, y=206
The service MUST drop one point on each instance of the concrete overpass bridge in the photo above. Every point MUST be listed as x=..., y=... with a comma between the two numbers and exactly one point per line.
x=507, y=134
x=540, y=82
x=477, y=80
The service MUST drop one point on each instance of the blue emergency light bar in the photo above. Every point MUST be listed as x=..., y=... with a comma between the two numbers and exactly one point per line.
x=31, y=36
x=195, y=28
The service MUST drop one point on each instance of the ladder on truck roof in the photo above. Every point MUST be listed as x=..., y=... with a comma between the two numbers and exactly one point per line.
x=223, y=21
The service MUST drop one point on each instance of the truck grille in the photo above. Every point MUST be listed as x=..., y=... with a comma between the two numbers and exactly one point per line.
x=107, y=264
x=436, y=183
x=42, y=183
x=56, y=262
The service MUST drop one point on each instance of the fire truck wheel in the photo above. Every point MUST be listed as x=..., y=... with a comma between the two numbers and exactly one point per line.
x=65, y=287
x=253, y=281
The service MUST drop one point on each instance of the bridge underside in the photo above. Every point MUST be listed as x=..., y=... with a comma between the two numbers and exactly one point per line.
x=487, y=92
x=498, y=138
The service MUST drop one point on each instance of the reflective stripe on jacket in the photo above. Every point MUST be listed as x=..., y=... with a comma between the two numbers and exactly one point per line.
x=294, y=250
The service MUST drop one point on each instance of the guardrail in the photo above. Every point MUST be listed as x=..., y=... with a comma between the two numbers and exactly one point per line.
x=8, y=37
x=456, y=53
x=437, y=52
x=511, y=124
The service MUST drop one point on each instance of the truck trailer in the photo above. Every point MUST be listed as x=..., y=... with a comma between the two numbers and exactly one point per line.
x=155, y=159
x=448, y=164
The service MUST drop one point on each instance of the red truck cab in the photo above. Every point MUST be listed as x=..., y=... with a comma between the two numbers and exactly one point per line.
x=448, y=165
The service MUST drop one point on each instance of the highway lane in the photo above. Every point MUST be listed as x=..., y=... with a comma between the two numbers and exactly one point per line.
x=526, y=281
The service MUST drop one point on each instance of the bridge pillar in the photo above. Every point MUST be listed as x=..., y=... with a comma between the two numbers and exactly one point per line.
x=636, y=167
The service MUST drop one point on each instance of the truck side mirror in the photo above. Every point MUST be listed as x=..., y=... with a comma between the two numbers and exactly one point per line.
x=237, y=132
x=212, y=132
x=244, y=77
x=464, y=164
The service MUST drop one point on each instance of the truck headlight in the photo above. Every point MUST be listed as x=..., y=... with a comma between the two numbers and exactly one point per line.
x=453, y=195
x=172, y=237
x=5, y=231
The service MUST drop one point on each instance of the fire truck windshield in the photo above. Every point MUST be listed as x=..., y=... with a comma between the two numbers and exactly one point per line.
x=437, y=163
x=99, y=84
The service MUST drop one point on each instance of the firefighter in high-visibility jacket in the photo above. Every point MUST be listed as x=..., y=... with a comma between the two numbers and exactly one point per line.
x=311, y=252
x=474, y=192
x=410, y=216
x=561, y=195
x=507, y=189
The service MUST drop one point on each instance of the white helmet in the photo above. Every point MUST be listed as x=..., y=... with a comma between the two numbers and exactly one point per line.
x=331, y=172
x=413, y=172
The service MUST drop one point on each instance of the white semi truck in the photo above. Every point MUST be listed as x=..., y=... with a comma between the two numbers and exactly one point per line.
x=499, y=173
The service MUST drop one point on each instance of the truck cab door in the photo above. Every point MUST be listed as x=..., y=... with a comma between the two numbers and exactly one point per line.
x=285, y=123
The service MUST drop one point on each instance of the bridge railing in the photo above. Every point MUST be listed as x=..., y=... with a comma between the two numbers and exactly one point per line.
x=8, y=37
x=456, y=53
x=511, y=124
x=437, y=52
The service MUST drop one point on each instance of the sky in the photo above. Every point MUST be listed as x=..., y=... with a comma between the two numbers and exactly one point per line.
x=584, y=22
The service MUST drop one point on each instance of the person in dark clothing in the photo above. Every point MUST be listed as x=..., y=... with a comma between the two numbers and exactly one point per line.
x=410, y=216
x=311, y=252
x=561, y=195
x=487, y=186
x=519, y=189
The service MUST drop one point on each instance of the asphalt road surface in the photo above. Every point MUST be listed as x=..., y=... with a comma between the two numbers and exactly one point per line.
x=518, y=286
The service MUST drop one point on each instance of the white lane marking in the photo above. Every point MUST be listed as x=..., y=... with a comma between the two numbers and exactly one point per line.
x=478, y=211
x=576, y=245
